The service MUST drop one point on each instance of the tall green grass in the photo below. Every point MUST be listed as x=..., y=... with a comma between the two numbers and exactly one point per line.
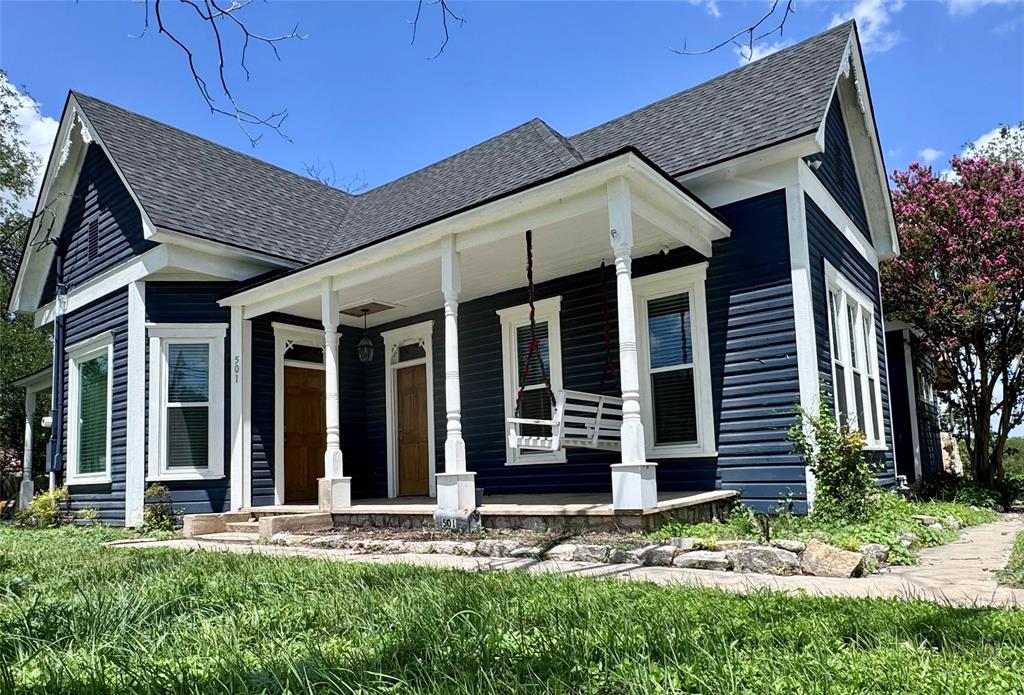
x=1013, y=573
x=77, y=617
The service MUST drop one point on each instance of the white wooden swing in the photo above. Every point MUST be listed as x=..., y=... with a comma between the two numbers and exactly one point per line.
x=578, y=419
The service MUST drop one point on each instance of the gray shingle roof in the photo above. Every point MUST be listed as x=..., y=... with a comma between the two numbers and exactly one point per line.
x=192, y=185
x=196, y=186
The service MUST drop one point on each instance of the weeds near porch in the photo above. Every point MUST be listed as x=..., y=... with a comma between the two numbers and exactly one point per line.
x=158, y=513
x=48, y=508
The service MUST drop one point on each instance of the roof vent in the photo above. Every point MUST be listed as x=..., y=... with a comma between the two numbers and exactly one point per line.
x=367, y=308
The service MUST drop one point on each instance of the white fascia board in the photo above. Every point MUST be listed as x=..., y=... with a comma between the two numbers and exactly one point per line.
x=812, y=186
x=739, y=168
x=556, y=199
x=162, y=235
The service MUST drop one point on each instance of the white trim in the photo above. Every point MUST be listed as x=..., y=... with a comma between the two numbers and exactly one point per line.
x=803, y=312
x=915, y=434
x=283, y=334
x=422, y=334
x=236, y=372
x=162, y=235
x=813, y=187
x=246, y=414
x=161, y=335
x=102, y=344
x=547, y=310
x=135, y=426
x=851, y=296
x=689, y=279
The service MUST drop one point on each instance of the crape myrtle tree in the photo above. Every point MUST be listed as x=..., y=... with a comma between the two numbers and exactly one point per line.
x=959, y=279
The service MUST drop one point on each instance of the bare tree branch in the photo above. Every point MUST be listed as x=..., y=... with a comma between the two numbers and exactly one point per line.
x=445, y=12
x=750, y=35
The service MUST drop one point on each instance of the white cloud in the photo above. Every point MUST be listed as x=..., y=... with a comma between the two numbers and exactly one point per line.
x=930, y=154
x=761, y=50
x=984, y=140
x=965, y=7
x=873, y=17
x=710, y=5
x=38, y=132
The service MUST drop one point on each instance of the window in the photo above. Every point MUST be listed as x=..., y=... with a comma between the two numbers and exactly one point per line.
x=186, y=382
x=536, y=401
x=852, y=339
x=675, y=373
x=90, y=380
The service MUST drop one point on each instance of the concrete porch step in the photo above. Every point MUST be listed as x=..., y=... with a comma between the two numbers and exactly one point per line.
x=242, y=526
x=237, y=537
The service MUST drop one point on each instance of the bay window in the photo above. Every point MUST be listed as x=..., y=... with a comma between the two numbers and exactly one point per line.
x=186, y=418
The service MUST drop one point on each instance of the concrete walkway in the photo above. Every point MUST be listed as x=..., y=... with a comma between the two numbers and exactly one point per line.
x=960, y=573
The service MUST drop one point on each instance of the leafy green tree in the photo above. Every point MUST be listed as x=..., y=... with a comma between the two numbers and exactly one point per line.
x=23, y=349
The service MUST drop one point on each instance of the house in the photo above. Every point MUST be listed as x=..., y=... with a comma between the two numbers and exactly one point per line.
x=249, y=337
x=917, y=432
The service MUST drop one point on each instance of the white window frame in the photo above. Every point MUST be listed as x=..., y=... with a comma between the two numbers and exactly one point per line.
x=160, y=336
x=514, y=317
x=851, y=297
x=689, y=279
x=79, y=353
x=416, y=334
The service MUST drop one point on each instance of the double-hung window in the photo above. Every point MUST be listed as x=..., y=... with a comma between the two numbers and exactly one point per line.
x=90, y=388
x=186, y=417
x=857, y=393
x=535, y=402
x=675, y=373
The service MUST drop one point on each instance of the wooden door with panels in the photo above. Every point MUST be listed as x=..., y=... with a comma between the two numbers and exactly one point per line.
x=413, y=432
x=305, y=428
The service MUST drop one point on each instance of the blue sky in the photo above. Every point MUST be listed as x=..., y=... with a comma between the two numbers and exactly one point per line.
x=364, y=100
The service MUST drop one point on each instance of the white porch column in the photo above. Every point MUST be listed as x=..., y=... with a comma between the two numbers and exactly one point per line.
x=237, y=426
x=135, y=440
x=456, y=487
x=634, y=485
x=27, y=489
x=335, y=490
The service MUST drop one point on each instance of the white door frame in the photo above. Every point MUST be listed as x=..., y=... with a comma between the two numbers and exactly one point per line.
x=421, y=334
x=285, y=336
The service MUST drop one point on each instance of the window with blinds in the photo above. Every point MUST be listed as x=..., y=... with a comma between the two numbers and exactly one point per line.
x=187, y=403
x=93, y=415
x=536, y=401
x=670, y=341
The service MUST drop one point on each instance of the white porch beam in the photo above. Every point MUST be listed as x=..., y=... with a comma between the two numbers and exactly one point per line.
x=456, y=487
x=672, y=226
x=634, y=485
x=335, y=490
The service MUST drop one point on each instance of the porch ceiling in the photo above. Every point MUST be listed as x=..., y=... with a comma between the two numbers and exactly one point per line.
x=562, y=248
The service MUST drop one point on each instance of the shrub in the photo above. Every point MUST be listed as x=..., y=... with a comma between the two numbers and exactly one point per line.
x=836, y=457
x=89, y=515
x=158, y=514
x=48, y=508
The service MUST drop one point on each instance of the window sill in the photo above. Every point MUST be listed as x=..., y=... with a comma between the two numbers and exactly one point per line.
x=539, y=461
x=178, y=477
x=876, y=447
x=104, y=479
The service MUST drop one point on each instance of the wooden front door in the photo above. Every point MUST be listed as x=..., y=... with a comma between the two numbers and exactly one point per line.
x=413, y=440
x=305, y=433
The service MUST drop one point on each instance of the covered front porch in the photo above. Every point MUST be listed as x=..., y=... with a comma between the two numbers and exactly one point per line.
x=428, y=388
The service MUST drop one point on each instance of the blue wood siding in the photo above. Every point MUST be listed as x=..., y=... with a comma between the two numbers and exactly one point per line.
x=109, y=313
x=826, y=242
x=194, y=302
x=99, y=197
x=837, y=171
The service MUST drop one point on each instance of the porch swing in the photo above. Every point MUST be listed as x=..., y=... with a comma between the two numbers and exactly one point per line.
x=578, y=419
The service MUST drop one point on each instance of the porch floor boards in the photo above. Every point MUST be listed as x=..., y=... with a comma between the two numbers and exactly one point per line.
x=555, y=504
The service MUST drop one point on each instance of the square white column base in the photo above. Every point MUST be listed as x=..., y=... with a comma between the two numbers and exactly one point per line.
x=456, y=491
x=634, y=486
x=25, y=493
x=334, y=493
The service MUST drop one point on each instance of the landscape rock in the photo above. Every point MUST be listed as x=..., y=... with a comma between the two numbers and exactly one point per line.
x=532, y=552
x=925, y=519
x=564, y=552
x=444, y=547
x=281, y=538
x=764, y=560
x=681, y=542
x=937, y=527
x=953, y=522
x=591, y=553
x=907, y=540
x=702, y=560
x=637, y=555
x=419, y=547
x=660, y=556
x=792, y=546
x=735, y=545
x=823, y=560
x=334, y=540
x=876, y=551
x=465, y=548
x=617, y=556
x=496, y=548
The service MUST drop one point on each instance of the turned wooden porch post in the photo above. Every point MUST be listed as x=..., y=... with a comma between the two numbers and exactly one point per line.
x=335, y=490
x=634, y=485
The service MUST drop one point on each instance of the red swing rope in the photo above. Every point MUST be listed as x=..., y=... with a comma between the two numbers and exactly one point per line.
x=534, y=347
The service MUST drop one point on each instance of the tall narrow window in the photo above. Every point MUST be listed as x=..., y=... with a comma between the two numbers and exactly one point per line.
x=186, y=389
x=672, y=369
x=838, y=366
x=89, y=410
x=535, y=402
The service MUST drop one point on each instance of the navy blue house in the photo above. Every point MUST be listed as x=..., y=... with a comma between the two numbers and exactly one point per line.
x=698, y=269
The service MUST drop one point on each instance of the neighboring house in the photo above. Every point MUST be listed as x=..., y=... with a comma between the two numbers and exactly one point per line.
x=917, y=440
x=209, y=308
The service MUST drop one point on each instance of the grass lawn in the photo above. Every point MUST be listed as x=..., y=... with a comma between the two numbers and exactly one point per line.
x=77, y=617
x=1013, y=573
x=891, y=519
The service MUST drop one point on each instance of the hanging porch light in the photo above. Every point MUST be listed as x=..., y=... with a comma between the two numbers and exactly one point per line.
x=365, y=346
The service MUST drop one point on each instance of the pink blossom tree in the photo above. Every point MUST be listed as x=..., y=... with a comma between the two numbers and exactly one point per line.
x=960, y=280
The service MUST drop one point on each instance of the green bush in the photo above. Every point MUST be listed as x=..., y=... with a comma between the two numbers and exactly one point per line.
x=48, y=508
x=836, y=457
x=158, y=514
